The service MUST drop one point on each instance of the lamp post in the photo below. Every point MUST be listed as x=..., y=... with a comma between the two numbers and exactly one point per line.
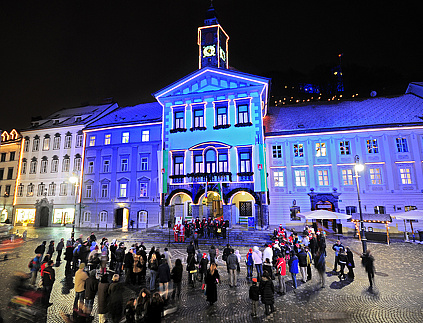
x=74, y=181
x=358, y=168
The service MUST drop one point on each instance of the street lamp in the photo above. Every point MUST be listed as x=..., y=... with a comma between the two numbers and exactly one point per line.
x=74, y=181
x=359, y=168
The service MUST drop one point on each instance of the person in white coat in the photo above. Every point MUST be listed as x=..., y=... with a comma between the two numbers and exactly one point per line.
x=258, y=262
x=268, y=253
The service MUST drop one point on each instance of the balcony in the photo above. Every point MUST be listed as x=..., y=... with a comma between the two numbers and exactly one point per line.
x=177, y=179
x=245, y=176
x=210, y=177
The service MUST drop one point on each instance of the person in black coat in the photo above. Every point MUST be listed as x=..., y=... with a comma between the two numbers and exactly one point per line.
x=191, y=268
x=115, y=292
x=155, y=311
x=103, y=298
x=254, y=294
x=176, y=276
x=50, y=250
x=164, y=278
x=267, y=292
x=68, y=257
x=49, y=276
x=212, y=279
x=202, y=268
x=128, y=262
x=367, y=261
x=350, y=263
x=41, y=249
x=91, y=288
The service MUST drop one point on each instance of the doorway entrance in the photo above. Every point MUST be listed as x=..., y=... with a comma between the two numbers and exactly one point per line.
x=44, y=215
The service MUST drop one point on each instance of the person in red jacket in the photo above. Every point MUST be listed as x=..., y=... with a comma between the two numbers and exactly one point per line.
x=280, y=273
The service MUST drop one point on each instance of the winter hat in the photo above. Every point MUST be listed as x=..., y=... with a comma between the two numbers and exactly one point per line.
x=254, y=280
x=204, y=255
x=250, y=250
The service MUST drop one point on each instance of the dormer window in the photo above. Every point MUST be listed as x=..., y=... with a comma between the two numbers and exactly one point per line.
x=78, y=119
x=56, y=121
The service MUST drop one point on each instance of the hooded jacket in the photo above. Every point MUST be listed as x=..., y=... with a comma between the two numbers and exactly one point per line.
x=257, y=256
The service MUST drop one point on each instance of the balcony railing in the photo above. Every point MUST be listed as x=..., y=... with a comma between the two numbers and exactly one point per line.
x=245, y=176
x=210, y=177
x=177, y=179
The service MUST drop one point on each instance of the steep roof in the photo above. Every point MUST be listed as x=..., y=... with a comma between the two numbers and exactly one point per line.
x=141, y=113
x=71, y=116
x=397, y=111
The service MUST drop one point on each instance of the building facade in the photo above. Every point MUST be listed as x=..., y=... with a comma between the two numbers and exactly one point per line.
x=213, y=145
x=121, y=174
x=10, y=146
x=312, y=149
x=52, y=152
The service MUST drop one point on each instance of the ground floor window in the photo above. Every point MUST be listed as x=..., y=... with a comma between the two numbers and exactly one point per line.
x=103, y=216
x=25, y=216
x=63, y=216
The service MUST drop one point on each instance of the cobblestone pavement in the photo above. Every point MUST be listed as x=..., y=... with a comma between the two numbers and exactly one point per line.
x=398, y=296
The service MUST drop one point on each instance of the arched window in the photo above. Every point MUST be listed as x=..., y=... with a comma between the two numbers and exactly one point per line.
x=102, y=217
x=210, y=161
x=86, y=217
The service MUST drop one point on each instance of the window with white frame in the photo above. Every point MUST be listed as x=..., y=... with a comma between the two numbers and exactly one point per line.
x=321, y=149
x=144, y=163
x=298, y=150
x=44, y=163
x=372, y=146
x=56, y=142
x=405, y=175
x=68, y=141
x=36, y=144
x=63, y=189
x=124, y=164
x=77, y=163
x=90, y=167
x=26, y=144
x=347, y=176
x=52, y=189
x=106, y=166
x=91, y=141
x=375, y=175
x=66, y=164
x=55, y=164
x=145, y=135
x=198, y=163
x=243, y=114
x=244, y=162
x=86, y=217
x=46, y=143
x=178, y=165
x=102, y=217
x=79, y=140
x=105, y=190
x=277, y=151
x=221, y=116
x=125, y=137
x=30, y=190
x=402, y=146
x=142, y=216
x=19, y=192
x=344, y=147
x=223, y=162
x=279, y=177
x=33, y=166
x=323, y=177
x=123, y=188
x=88, y=191
x=23, y=166
x=300, y=177
x=41, y=189
x=143, y=189
x=178, y=120
x=198, y=118
x=210, y=159
x=107, y=138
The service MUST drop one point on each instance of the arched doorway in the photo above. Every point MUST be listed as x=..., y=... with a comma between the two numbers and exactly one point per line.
x=44, y=215
x=211, y=206
x=243, y=207
x=181, y=206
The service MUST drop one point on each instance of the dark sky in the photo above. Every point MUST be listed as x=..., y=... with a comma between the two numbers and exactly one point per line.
x=58, y=54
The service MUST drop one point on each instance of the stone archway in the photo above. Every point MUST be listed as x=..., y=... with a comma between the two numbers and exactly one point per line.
x=44, y=216
x=43, y=213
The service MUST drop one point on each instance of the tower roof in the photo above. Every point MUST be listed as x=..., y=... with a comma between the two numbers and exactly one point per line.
x=211, y=17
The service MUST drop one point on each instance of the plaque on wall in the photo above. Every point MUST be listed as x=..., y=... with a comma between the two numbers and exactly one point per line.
x=299, y=161
x=377, y=188
x=322, y=160
x=403, y=156
x=279, y=190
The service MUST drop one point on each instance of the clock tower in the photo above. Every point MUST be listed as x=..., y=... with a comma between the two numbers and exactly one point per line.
x=212, y=43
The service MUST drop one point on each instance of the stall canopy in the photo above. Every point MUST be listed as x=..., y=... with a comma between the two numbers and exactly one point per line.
x=413, y=215
x=372, y=218
x=324, y=215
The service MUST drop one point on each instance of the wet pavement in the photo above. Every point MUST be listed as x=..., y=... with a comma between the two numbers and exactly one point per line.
x=397, y=297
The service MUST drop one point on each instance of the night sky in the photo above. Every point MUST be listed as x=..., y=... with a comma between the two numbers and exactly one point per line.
x=61, y=54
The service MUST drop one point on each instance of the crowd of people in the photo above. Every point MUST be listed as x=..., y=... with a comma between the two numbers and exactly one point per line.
x=196, y=228
x=101, y=268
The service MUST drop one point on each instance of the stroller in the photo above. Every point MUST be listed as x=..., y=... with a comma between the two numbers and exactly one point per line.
x=26, y=304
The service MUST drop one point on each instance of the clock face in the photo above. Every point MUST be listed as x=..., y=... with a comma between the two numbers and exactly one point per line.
x=209, y=51
x=222, y=54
